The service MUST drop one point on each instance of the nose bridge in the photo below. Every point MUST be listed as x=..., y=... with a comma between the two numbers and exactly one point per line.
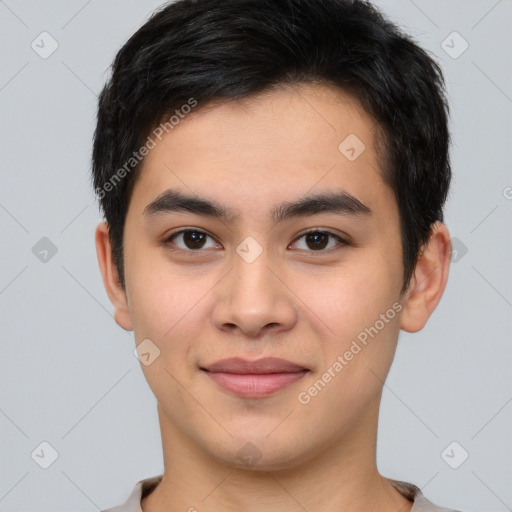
x=253, y=282
x=252, y=297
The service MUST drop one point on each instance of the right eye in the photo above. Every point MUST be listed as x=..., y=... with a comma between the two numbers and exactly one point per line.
x=192, y=239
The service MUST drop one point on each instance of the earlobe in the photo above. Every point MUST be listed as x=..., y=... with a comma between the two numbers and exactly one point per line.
x=113, y=287
x=429, y=280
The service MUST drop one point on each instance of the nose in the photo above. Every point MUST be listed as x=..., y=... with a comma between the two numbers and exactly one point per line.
x=254, y=299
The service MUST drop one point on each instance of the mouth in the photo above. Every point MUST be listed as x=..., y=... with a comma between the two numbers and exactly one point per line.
x=254, y=379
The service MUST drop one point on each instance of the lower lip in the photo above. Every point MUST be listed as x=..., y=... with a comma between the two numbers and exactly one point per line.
x=255, y=385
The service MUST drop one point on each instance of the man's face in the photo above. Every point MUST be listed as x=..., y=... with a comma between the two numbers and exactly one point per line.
x=254, y=286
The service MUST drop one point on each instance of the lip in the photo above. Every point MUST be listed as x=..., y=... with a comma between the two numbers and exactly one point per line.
x=265, y=365
x=255, y=379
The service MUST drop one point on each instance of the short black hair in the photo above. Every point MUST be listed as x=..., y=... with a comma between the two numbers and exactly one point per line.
x=190, y=52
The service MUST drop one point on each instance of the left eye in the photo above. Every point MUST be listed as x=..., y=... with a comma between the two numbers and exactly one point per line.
x=194, y=240
x=318, y=240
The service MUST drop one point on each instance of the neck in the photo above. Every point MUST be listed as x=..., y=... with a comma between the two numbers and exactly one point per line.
x=342, y=475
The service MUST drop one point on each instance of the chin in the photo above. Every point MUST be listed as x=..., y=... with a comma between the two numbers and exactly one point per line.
x=261, y=453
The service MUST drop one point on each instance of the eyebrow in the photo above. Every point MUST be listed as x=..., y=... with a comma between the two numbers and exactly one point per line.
x=340, y=202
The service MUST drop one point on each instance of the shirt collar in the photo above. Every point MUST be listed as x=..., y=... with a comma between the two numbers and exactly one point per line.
x=144, y=487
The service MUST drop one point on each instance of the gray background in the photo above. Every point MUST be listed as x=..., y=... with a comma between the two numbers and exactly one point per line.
x=68, y=373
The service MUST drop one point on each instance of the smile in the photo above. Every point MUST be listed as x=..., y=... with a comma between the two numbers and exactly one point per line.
x=254, y=379
x=255, y=385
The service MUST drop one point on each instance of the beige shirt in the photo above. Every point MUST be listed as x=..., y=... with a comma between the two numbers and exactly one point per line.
x=411, y=492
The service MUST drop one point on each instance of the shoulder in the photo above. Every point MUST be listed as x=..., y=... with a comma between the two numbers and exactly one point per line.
x=414, y=493
x=141, y=489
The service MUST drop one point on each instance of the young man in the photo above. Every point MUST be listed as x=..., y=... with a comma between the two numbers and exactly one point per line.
x=272, y=174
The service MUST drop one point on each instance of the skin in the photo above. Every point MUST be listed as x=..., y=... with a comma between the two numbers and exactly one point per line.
x=292, y=302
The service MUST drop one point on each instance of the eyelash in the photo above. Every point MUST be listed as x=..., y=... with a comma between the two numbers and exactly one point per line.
x=198, y=252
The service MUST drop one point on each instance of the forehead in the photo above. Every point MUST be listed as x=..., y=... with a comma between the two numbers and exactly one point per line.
x=263, y=149
x=301, y=116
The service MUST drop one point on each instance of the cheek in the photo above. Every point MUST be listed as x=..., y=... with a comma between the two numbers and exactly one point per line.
x=352, y=297
x=355, y=365
x=167, y=306
x=166, y=311
x=360, y=306
x=159, y=296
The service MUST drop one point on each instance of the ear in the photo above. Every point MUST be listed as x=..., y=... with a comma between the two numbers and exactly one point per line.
x=428, y=281
x=110, y=275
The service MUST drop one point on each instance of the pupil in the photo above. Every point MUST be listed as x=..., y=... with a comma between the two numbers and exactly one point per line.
x=196, y=244
x=315, y=237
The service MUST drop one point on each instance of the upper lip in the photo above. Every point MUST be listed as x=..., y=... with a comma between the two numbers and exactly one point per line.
x=260, y=366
